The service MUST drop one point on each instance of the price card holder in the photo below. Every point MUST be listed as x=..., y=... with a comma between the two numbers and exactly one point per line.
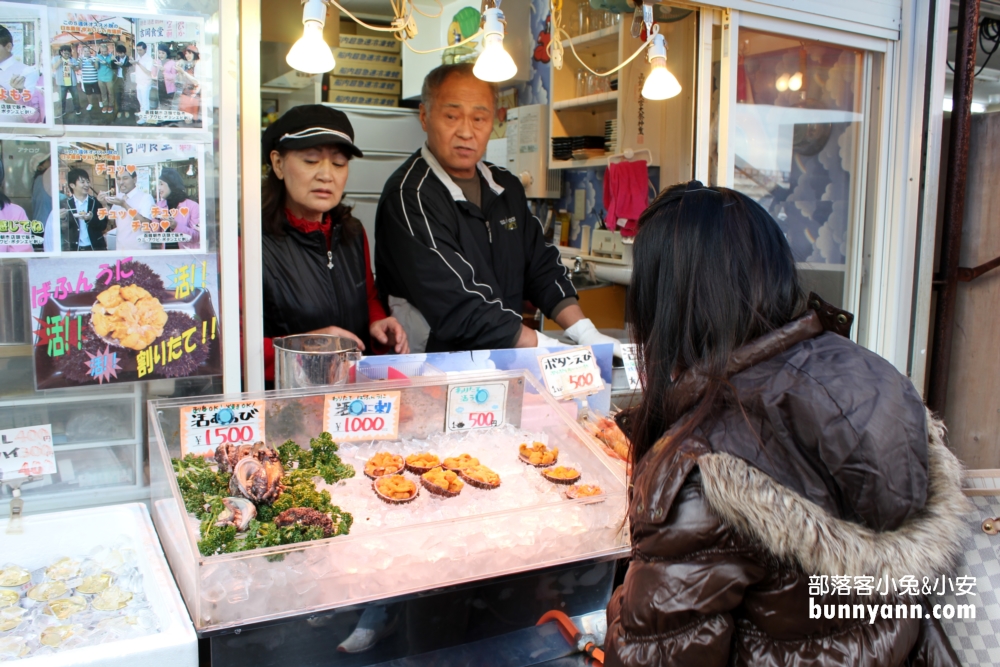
x=26, y=452
x=362, y=416
x=205, y=427
x=475, y=406
x=631, y=370
x=571, y=373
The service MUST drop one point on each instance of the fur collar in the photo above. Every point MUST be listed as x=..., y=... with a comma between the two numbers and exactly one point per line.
x=793, y=528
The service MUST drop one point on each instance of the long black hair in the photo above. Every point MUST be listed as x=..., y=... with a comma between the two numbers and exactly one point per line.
x=178, y=191
x=711, y=271
x=273, y=220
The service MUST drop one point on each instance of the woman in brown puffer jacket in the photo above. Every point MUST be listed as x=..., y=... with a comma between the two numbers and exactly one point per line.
x=769, y=450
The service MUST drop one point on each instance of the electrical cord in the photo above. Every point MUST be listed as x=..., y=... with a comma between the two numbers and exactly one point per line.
x=555, y=47
x=988, y=31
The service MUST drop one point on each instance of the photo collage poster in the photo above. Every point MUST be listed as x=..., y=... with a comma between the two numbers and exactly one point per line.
x=24, y=66
x=137, y=197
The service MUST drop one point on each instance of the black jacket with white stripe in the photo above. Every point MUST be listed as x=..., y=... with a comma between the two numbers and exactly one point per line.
x=467, y=270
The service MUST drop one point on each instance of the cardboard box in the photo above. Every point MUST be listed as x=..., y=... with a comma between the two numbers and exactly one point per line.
x=368, y=64
x=358, y=85
x=346, y=97
x=385, y=44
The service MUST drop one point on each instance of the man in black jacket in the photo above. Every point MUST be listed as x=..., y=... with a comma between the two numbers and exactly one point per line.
x=85, y=228
x=455, y=239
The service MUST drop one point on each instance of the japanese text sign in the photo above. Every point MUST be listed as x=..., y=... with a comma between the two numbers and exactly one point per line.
x=205, y=427
x=362, y=416
x=571, y=373
x=26, y=451
x=629, y=361
x=474, y=406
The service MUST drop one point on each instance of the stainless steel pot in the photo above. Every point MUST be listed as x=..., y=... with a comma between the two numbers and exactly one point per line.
x=313, y=360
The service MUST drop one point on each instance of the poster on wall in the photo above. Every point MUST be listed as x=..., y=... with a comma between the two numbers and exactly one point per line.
x=25, y=196
x=130, y=197
x=128, y=71
x=104, y=320
x=23, y=80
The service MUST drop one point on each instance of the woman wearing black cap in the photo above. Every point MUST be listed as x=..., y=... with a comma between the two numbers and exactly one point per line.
x=316, y=270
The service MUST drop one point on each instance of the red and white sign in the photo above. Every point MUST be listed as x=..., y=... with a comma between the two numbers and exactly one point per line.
x=26, y=452
x=571, y=373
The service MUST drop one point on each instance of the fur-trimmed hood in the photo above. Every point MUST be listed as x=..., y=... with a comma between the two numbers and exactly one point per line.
x=795, y=529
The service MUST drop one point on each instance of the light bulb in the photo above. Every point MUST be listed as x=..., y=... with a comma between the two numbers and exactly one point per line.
x=494, y=64
x=795, y=82
x=782, y=83
x=661, y=84
x=190, y=171
x=311, y=54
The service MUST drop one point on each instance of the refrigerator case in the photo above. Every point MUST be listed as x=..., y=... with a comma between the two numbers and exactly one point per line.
x=525, y=524
x=387, y=137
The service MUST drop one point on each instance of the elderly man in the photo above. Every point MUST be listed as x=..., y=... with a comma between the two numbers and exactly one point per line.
x=138, y=208
x=455, y=240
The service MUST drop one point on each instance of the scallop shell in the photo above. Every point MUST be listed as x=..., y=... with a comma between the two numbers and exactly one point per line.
x=11, y=617
x=394, y=501
x=112, y=599
x=398, y=470
x=8, y=598
x=420, y=470
x=537, y=465
x=55, y=635
x=14, y=575
x=63, y=569
x=559, y=480
x=573, y=493
x=63, y=608
x=95, y=583
x=50, y=590
x=477, y=483
x=437, y=490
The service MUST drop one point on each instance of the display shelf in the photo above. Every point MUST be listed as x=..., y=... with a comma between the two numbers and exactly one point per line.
x=588, y=101
x=580, y=164
x=598, y=39
x=524, y=524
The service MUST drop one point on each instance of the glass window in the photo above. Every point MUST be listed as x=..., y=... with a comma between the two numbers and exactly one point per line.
x=797, y=143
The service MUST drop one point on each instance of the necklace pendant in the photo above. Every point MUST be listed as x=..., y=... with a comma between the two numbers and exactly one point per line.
x=330, y=265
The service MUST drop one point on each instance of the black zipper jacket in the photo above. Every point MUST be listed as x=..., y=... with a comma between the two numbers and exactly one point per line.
x=308, y=287
x=467, y=270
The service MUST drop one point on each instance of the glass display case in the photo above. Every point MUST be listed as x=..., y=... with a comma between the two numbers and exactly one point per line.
x=526, y=519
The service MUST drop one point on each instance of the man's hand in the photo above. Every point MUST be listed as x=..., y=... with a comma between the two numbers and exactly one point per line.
x=585, y=333
x=337, y=331
x=390, y=332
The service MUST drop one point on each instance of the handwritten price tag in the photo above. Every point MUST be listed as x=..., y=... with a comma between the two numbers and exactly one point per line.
x=367, y=416
x=205, y=427
x=631, y=370
x=26, y=451
x=473, y=406
x=571, y=373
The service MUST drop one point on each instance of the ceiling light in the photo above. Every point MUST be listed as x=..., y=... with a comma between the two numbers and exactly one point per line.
x=795, y=82
x=660, y=84
x=311, y=54
x=494, y=64
x=782, y=83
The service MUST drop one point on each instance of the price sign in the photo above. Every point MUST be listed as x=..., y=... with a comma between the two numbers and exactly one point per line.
x=362, y=416
x=205, y=427
x=631, y=370
x=473, y=406
x=26, y=451
x=571, y=373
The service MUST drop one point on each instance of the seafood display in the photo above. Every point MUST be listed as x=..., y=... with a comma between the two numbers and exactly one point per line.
x=584, y=491
x=456, y=463
x=480, y=477
x=395, y=489
x=72, y=602
x=561, y=475
x=383, y=463
x=538, y=454
x=606, y=432
x=254, y=496
x=421, y=463
x=442, y=482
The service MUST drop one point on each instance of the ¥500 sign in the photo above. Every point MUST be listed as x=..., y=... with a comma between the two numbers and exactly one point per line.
x=571, y=373
x=26, y=451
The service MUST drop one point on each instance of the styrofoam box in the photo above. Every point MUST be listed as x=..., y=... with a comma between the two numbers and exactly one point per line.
x=369, y=43
x=344, y=97
x=47, y=537
x=360, y=85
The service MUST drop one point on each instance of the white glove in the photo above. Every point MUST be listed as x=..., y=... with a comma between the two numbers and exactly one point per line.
x=546, y=341
x=585, y=333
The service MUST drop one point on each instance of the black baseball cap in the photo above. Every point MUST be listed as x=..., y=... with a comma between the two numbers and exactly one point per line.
x=307, y=126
